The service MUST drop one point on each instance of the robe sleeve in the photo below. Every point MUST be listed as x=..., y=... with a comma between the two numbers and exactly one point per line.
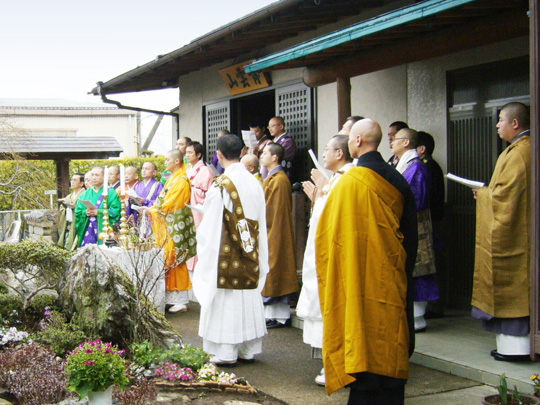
x=177, y=197
x=289, y=148
x=81, y=220
x=114, y=206
x=208, y=244
x=151, y=201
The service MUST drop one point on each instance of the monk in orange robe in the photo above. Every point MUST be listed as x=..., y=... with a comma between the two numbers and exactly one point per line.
x=174, y=197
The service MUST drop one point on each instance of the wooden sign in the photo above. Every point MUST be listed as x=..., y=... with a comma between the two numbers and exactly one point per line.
x=238, y=81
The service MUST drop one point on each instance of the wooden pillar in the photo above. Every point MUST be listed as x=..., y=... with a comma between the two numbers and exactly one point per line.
x=343, y=100
x=534, y=38
x=62, y=177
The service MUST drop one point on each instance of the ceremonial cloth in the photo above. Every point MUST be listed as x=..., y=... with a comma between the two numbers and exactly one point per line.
x=362, y=280
x=501, y=283
x=230, y=316
x=282, y=279
x=174, y=197
x=149, y=191
x=82, y=221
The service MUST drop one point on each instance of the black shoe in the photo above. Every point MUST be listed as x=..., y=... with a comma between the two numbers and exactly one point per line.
x=493, y=353
x=273, y=324
x=511, y=357
x=247, y=361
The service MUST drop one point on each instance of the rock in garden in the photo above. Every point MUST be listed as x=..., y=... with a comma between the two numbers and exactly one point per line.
x=101, y=298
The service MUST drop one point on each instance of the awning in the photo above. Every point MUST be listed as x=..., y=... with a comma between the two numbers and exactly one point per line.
x=387, y=29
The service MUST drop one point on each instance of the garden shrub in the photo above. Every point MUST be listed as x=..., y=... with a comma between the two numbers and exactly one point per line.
x=40, y=304
x=59, y=335
x=84, y=166
x=141, y=392
x=145, y=354
x=11, y=308
x=32, y=374
x=3, y=288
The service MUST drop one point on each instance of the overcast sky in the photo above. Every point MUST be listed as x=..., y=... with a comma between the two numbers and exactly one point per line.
x=61, y=48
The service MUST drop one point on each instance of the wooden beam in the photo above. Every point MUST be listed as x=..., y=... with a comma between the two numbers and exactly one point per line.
x=343, y=99
x=62, y=177
x=474, y=34
x=534, y=44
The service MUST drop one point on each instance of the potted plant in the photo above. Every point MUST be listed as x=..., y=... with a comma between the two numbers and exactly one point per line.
x=507, y=397
x=94, y=368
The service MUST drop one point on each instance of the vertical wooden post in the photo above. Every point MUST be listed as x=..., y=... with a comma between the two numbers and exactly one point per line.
x=62, y=177
x=344, y=100
x=534, y=38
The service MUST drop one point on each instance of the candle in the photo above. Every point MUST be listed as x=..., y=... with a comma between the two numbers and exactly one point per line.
x=122, y=180
x=106, y=181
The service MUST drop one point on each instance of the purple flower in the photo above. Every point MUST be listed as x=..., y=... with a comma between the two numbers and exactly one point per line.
x=90, y=363
x=89, y=351
x=121, y=352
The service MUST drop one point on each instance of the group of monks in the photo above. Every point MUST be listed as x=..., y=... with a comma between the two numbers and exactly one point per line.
x=368, y=267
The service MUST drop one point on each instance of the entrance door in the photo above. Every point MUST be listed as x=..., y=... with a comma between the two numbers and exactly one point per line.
x=217, y=118
x=476, y=96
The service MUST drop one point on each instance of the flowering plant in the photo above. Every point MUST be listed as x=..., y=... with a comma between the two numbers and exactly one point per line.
x=11, y=335
x=209, y=372
x=173, y=371
x=536, y=381
x=95, y=366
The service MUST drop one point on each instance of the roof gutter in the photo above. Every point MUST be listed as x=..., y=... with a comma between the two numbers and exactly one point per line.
x=198, y=43
x=383, y=22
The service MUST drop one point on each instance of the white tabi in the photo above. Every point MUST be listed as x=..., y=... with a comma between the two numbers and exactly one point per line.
x=232, y=321
x=309, y=305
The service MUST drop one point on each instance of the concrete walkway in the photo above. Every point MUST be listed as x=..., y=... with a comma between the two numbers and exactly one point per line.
x=286, y=371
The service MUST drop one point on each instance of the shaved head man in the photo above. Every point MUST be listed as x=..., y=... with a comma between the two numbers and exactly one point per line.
x=366, y=261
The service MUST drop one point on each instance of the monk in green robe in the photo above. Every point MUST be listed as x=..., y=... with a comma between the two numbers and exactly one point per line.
x=89, y=221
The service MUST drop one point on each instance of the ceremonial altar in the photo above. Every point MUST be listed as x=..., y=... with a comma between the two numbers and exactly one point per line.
x=146, y=270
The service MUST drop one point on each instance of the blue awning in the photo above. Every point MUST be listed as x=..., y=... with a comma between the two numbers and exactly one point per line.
x=377, y=24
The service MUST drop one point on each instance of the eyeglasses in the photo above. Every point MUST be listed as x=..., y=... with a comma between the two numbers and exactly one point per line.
x=271, y=126
x=327, y=150
x=399, y=139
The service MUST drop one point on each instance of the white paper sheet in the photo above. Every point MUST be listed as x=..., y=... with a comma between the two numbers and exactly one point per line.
x=249, y=138
x=317, y=164
x=88, y=204
x=465, y=182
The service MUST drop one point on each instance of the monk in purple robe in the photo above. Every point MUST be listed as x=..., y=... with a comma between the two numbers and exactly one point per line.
x=147, y=191
x=417, y=175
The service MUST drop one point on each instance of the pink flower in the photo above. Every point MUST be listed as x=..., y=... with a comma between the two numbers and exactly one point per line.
x=89, y=351
x=90, y=363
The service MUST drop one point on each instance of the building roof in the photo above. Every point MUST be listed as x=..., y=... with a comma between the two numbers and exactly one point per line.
x=420, y=31
x=51, y=104
x=53, y=147
x=248, y=35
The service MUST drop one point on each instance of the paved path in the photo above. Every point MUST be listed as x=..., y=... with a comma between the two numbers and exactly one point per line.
x=286, y=371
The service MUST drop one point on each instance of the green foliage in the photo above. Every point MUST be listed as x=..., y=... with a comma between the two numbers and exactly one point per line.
x=49, y=258
x=11, y=308
x=23, y=183
x=95, y=366
x=59, y=335
x=3, y=288
x=40, y=303
x=84, y=166
x=503, y=389
x=145, y=354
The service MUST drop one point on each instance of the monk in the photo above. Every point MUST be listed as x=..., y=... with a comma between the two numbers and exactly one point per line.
x=201, y=178
x=282, y=280
x=147, y=191
x=89, y=221
x=501, y=282
x=251, y=162
x=365, y=253
x=67, y=233
x=174, y=197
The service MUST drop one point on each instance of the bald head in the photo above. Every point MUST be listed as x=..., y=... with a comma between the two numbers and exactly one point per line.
x=174, y=160
x=365, y=136
x=251, y=162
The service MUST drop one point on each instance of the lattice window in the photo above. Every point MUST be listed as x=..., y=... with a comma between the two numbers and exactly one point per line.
x=217, y=118
x=293, y=103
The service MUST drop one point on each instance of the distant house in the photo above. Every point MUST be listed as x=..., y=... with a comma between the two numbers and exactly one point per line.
x=59, y=118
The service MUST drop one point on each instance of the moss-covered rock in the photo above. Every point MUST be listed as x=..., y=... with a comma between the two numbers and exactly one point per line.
x=99, y=297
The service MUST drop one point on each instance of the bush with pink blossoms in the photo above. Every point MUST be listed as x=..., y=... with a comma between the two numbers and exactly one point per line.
x=174, y=371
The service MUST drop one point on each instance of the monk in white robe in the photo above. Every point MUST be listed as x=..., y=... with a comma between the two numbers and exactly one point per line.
x=338, y=159
x=232, y=322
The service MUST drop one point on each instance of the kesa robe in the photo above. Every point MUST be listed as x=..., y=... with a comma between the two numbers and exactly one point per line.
x=174, y=197
x=361, y=266
x=201, y=178
x=82, y=221
x=149, y=191
x=230, y=316
x=282, y=279
x=501, y=281
x=309, y=305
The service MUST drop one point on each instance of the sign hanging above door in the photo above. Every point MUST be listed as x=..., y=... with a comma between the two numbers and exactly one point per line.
x=238, y=81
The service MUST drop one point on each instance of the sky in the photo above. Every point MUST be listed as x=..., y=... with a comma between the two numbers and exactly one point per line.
x=60, y=49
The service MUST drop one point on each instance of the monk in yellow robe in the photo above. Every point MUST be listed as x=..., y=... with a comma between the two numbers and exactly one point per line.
x=501, y=281
x=365, y=250
x=174, y=197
